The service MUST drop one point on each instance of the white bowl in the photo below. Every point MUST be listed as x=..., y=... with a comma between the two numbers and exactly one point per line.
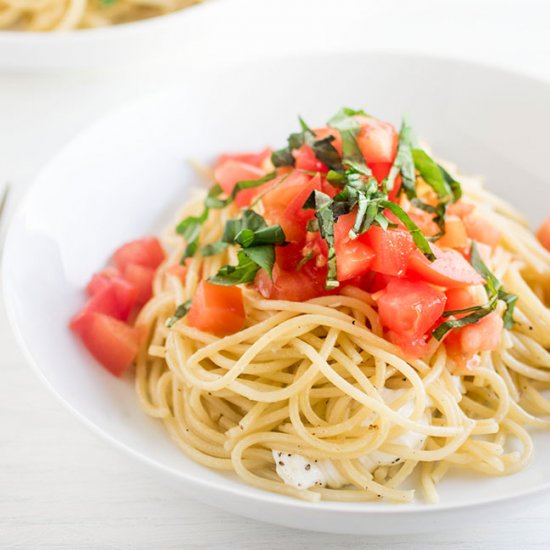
x=159, y=39
x=126, y=176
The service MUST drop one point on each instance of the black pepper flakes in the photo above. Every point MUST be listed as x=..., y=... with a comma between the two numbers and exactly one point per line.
x=281, y=463
x=308, y=467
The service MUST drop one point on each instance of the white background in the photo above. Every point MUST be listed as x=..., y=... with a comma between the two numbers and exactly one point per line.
x=61, y=487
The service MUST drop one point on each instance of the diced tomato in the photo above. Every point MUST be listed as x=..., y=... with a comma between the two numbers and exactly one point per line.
x=410, y=308
x=142, y=278
x=112, y=342
x=374, y=282
x=424, y=221
x=306, y=160
x=353, y=257
x=481, y=230
x=114, y=300
x=179, y=271
x=284, y=205
x=461, y=208
x=485, y=335
x=411, y=347
x=147, y=252
x=377, y=140
x=101, y=280
x=392, y=249
x=217, y=309
x=460, y=298
x=543, y=234
x=256, y=159
x=449, y=270
x=455, y=234
x=231, y=172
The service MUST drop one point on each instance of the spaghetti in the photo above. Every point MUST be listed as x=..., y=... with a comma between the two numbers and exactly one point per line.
x=65, y=15
x=323, y=397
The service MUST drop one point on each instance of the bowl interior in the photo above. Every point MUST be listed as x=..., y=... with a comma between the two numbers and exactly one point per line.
x=127, y=175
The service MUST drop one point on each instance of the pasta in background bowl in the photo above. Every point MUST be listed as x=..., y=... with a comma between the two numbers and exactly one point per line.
x=140, y=175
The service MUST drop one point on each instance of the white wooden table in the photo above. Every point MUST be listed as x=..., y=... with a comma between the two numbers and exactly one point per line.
x=60, y=486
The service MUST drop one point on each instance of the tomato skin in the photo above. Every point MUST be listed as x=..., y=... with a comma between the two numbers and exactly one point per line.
x=377, y=140
x=147, y=252
x=353, y=257
x=449, y=270
x=460, y=298
x=256, y=159
x=295, y=286
x=481, y=230
x=410, y=308
x=455, y=234
x=142, y=279
x=115, y=300
x=543, y=234
x=392, y=249
x=230, y=172
x=380, y=171
x=217, y=309
x=111, y=341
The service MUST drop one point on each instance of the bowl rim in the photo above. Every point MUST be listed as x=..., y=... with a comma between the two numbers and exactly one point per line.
x=127, y=28
x=240, y=490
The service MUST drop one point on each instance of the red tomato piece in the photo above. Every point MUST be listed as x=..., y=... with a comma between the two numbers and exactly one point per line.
x=410, y=308
x=380, y=171
x=485, y=335
x=256, y=159
x=414, y=348
x=449, y=270
x=100, y=280
x=306, y=160
x=296, y=286
x=116, y=300
x=461, y=208
x=284, y=205
x=231, y=172
x=392, y=249
x=377, y=140
x=217, y=309
x=460, y=298
x=455, y=234
x=543, y=234
x=142, y=278
x=353, y=257
x=112, y=342
x=147, y=252
x=481, y=230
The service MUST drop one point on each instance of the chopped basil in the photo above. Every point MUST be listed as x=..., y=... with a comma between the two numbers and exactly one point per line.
x=213, y=248
x=263, y=256
x=181, y=311
x=322, y=204
x=431, y=173
x=327, y=153
x=244, y=272
x=190, y=228
x=213, y=200
x=470, y=319
x=309, y=256
x=403, y=163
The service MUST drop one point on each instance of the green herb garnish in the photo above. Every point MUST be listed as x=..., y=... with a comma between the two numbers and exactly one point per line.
x=181, y=311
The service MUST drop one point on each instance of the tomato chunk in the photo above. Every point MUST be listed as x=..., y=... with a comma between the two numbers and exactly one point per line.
x=481, y=230
x=147, y=252
x=543, y=234
x=380, y=171
x=353, y=257
x=485, y=335
x=377, y=140
x=112, y=342
x=449, y=270
x=115, y=300
x=230, y=172
x=410, y=308
x=142, y=279
x=217, y=309
x=455, y=234
x=392, y=249
x=256, y=159
x=100, y=280
x=306, y=160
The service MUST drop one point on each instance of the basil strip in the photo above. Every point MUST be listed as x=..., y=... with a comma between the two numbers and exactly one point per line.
x=323, y=212
x=213, y=248
x=403, y=163
x=244, y=272
x=471, y=319
x=181, y=311
x=190, y=229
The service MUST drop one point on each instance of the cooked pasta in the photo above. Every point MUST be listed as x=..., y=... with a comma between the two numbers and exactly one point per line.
x=322, y=397
x=65, y=15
